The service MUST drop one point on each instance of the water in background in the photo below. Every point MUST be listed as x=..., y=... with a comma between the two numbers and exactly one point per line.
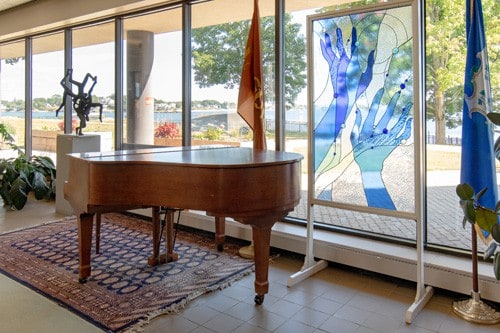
x=176, y=117
x=296, y=120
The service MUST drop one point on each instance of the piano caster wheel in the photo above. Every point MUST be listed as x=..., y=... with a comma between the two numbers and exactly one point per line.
x=82, y=280
x=259, y=299
x=220, y=247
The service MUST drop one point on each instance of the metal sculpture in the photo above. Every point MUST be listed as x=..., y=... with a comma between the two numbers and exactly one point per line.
x=82, y=101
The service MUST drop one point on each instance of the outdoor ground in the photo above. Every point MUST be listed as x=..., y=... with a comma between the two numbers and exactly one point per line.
x=439, y=157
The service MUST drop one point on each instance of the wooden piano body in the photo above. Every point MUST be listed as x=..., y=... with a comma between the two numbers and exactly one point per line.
x=255, y=187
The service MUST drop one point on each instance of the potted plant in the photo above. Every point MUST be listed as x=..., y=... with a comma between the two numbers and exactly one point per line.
x=21, y=175
x=486, y=219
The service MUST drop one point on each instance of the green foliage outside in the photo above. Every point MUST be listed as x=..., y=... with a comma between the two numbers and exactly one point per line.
x=6, y=132
x=212, y=133
x=39, y=103
x=445, y=50
x=218, y=53
x=218, y=56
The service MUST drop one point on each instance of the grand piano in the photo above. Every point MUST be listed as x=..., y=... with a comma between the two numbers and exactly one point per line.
x=254, y=187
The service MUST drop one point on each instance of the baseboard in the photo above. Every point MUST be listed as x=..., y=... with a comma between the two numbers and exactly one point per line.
x=441, y=270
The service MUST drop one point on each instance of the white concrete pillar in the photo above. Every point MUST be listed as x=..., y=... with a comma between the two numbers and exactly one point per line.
x=140, y=101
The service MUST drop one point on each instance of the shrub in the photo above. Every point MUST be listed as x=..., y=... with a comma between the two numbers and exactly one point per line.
x=73, y=125
x=214, y=133
x=167, y=130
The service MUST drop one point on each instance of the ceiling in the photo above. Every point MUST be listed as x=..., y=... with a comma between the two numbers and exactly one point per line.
x=204, y=14
x=6, y=4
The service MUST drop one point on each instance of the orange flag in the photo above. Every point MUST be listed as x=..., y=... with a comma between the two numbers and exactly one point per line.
x=251, y=94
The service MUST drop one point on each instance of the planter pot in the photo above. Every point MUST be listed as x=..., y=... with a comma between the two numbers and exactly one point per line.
x=45, y=140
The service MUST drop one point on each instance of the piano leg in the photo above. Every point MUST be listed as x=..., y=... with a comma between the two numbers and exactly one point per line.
x=97, y=232
x=220, y=232
x=170, y=255
x=261, y=238
x=85, y=224
x=155, y=216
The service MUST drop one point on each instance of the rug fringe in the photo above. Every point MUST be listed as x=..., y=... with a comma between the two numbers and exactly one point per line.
x=179, y=306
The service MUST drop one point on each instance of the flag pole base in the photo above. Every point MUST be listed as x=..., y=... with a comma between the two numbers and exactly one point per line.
x=247, y=252
x=476, y=311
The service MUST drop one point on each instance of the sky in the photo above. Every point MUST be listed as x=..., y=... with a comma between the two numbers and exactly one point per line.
x=98, y=60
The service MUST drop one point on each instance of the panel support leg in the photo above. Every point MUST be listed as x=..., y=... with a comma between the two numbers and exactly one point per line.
x=310, y=266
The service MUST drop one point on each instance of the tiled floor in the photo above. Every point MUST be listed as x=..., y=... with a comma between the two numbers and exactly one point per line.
x=337, y=299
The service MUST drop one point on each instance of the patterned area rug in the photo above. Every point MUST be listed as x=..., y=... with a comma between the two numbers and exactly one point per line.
x=123, y=292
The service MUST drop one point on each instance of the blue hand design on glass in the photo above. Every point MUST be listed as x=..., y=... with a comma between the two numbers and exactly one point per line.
x=372, y=144
x=348, y=81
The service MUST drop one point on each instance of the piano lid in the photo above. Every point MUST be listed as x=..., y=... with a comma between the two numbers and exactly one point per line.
x=195, y=155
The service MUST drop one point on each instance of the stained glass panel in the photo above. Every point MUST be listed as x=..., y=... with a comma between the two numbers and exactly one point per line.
x=362, y=108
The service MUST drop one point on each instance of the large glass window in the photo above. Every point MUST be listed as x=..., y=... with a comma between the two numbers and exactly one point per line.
x=48, y=70
x=12, y=105
x=93, y=60
x=296, y=114
x=153, y=79
x=220, y=33
x=445, y=56
x=445, y=66
x=296, y=126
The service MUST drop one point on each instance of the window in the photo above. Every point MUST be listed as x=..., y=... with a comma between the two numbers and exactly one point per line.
x=445, y=65
x=296, y=114
x=48, y=70
x=219, y=43
x=12, y=82
x=153, y=76
x=93, y=54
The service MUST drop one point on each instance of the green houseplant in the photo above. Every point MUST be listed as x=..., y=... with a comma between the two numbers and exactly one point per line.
x=22, y=175
x=486, y=219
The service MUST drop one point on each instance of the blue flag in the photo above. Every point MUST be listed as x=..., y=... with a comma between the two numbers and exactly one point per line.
x=478, y=159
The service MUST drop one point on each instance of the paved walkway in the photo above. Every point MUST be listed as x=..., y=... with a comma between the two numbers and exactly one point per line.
x=444, y=217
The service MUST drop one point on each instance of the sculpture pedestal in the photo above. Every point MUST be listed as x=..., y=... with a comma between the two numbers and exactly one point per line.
x=69, y=144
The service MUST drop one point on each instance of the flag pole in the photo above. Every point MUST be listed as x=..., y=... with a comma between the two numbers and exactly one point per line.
x=251, y=95
x=477, y=161
x=475, y=282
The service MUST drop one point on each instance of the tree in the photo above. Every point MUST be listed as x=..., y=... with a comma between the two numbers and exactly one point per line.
x=218, y=53
x=491, y=14
x=445, y=59
x=13, y=61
